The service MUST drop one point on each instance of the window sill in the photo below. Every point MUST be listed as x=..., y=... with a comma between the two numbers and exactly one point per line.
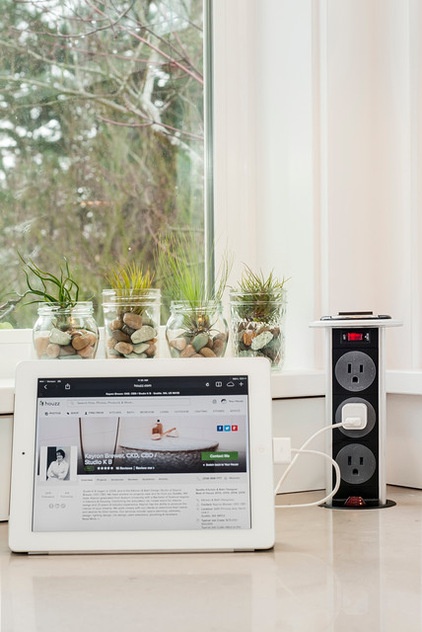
x=403, y=382
x=7, y=392
x=17, y=344
x=305, y=383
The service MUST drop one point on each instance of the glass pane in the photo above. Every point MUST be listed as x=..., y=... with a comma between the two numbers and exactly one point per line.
x=101, y=135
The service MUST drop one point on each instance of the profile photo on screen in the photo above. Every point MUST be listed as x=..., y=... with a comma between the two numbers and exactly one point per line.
x=58, y=464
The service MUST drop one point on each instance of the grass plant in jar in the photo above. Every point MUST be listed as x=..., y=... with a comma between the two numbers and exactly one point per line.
x=196, y=327
x=65, y=327
x=131, y=310
x=257, y=309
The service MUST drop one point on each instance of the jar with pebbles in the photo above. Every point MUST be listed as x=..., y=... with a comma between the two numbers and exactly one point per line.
x=196, y=330
x=258, y=327
x=131, y=323
x=66, y=332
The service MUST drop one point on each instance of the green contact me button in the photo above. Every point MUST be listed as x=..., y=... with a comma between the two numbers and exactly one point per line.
x=219, y=456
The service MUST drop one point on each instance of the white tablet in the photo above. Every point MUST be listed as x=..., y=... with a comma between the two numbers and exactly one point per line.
x=142, y=455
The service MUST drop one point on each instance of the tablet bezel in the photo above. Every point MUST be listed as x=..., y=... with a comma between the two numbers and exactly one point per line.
x=261, y=534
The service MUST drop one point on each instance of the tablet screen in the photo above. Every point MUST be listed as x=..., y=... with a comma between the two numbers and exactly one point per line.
x=142, y=453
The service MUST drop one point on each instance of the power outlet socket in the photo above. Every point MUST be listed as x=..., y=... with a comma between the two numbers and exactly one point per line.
x=282, y=450
x=371, y=417
x=355, y=371
x=357, y=463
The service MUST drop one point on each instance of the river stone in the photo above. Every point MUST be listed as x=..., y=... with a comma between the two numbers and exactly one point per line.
x=261, y=340
x=201, y=340
x=151, y=351
x=273, y=349
x=67, y=351
x=188, y=352
x=141, y=347
x=58, y=337
x=120, y=336
x=116, y=324
x=125, y=348
x=247, y=337
x=110, y=342
x=87, y=352
x=178, y=343
x=52, y=351
x=132, y=320
x=81, y=340
x=128, y=330
x=41, y=343
x=207, y=352
x=219, y=347
x=146, y=332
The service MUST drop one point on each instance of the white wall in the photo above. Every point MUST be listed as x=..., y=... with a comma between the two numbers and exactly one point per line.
x=318, y=141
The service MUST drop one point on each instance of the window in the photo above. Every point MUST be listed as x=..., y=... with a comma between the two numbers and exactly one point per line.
x=101, y=134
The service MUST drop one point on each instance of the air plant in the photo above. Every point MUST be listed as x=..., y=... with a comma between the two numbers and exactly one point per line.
x=59, y=330
x=131, y=312
x=196, y=326
x=258, y=297
x=61, y=289
x=184, y=271
x=129, y=279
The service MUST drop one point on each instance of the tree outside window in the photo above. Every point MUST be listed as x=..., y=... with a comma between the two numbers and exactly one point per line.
x=101, y=134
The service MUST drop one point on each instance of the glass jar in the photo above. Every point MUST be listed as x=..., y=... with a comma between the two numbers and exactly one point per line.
x=66, y=332
x=258, y=327
x=196, y=330
x=131, y=323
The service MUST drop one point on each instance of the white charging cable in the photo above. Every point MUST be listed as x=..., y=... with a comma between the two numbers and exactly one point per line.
x=303, y=450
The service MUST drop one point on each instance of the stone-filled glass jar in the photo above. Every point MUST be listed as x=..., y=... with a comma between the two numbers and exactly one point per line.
x=131, y=323
x=66, y=332
x=257, y=327
x=197, y=330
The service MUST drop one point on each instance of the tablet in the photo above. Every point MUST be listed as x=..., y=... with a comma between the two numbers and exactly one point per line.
x=143, y=455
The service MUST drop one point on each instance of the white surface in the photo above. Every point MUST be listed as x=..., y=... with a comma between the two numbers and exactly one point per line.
x=337, y=323
x=318, y=126
x=330, y=571
x=404, y=440
x=6, y=432
x=7, y=395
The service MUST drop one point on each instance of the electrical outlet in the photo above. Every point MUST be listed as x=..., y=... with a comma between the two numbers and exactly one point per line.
x=282, y=450
x=357, y=463
x=355, y=371
x=371, y=417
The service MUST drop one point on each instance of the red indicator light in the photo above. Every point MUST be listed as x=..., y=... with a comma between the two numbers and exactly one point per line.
x=354, y=336
x=355, y=501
